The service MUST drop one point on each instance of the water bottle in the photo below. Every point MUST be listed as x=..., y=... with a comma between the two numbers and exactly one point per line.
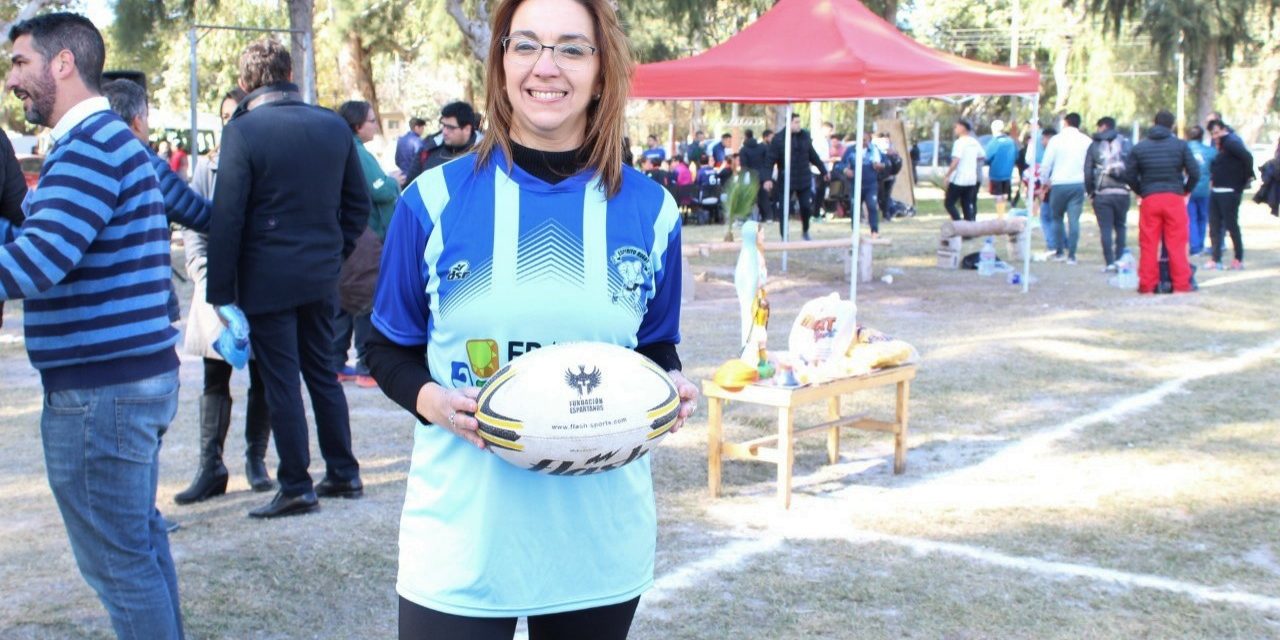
x=1126, y=275
x=987, y=257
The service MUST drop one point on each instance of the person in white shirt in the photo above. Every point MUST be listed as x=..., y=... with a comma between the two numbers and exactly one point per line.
x=962, y=175
x=1063, y=168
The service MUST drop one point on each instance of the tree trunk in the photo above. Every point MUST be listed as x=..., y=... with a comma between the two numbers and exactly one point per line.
x=1207, y=81
x=1061, y=55
x=474, y=30
x=300, y=19
x=356, y=70
x=27, y=12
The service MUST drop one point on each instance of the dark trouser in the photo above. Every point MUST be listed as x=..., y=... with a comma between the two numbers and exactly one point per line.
x=885, y=197
x=610, y=622
x=870, y=200
x=286, y=343
x=1224, y=217
x=966, y=197
x=1112, y=209
x=764, y=202
x=345, y=326
x=805, y=197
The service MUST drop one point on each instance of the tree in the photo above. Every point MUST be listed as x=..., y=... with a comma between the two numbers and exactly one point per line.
x=1208, y=32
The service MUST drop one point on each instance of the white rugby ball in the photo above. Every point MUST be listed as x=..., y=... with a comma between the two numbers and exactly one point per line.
x=577, y=408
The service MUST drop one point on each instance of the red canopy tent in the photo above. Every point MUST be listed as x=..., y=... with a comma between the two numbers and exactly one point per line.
x=820, y=50
x=815, y=50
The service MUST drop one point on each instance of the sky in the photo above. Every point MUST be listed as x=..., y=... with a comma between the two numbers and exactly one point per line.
x=100, y=12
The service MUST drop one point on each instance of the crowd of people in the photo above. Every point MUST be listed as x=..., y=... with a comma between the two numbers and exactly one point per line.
x=821, y=173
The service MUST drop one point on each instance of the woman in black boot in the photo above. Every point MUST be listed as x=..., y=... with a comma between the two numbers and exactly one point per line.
x=203, y=328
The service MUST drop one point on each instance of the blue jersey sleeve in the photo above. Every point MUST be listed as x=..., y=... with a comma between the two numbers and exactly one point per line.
x=661, y=323
x=401, y=306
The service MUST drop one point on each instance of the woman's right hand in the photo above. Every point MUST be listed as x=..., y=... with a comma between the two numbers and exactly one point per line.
x=451, y=409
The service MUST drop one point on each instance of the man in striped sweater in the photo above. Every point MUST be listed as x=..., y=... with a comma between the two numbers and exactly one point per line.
x=92, y=262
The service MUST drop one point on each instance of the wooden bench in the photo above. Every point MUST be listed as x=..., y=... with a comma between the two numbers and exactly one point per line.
x=779, y=449
x=704, y=249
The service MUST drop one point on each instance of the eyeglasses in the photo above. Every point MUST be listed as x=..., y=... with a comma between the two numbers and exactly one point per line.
x=449, y=127
x=569, y=56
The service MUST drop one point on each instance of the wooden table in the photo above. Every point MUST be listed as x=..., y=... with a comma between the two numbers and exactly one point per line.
x=780, y=449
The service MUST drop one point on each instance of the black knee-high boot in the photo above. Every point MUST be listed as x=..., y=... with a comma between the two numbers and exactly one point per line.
x=257, y=432
x=211, y=479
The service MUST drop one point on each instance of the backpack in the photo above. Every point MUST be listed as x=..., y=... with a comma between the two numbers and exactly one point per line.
x=1113, y=158
x=892, y=163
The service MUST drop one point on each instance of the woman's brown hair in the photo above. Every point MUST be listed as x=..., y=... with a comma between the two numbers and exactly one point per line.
x=606, y=115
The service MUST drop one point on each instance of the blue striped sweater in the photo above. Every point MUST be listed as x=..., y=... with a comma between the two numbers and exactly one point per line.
x=92, y=261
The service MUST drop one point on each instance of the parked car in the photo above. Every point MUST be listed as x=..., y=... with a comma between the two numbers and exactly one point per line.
x=30, y=164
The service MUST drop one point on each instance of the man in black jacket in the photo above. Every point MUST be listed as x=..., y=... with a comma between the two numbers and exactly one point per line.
x=288, y=206
x=802, y=156
x=755, y=158
x=1104, y=184
x=459, y=133
x=1229, y=175
x=1163, y=172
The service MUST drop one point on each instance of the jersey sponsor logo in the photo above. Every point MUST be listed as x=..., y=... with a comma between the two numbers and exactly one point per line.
x=632, y=267
x=483, y=360
x=483, y=357
x=459, y=271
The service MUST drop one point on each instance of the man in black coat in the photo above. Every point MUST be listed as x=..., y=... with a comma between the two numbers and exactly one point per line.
x=289, y=203
x=1229, y=175
x=1162, y=171
x=802, y=156
x=755, y=157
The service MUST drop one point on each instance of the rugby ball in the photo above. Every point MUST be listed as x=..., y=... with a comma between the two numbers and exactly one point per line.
x=576, y=408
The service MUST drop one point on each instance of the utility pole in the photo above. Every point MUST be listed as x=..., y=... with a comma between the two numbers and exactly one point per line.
x=1013, y=38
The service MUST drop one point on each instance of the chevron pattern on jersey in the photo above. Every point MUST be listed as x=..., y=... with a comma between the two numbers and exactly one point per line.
x=550, y=252
x=474, y=286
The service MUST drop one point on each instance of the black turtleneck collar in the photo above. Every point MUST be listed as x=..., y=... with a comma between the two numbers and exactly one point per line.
x=549, y=166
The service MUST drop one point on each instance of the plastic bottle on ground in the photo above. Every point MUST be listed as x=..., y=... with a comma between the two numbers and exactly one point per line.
x=987, y=257
x=1126, y=273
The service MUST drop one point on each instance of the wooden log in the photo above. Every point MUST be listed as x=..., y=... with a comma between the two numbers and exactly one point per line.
x=967, y=229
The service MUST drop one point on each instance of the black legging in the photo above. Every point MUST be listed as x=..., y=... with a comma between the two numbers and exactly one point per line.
x=217, y=378
x=611, y=622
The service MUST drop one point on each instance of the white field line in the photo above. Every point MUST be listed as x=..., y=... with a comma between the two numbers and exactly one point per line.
x=1041, y=442
x=1067, y=569
x=735, y=553
x=729, y=556
x=1240, y=277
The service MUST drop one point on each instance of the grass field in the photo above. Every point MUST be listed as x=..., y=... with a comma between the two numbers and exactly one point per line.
x=1085, y=463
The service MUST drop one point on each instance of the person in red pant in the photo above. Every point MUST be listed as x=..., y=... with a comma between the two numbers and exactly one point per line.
x=1162, y=172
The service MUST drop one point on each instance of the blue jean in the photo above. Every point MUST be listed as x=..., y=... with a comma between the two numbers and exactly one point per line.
x=1067, y=199
x=1051, y=230
x=1197, y=222
x=102, y=453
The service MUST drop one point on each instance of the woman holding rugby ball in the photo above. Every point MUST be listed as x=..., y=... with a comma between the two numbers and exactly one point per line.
x=542, y=236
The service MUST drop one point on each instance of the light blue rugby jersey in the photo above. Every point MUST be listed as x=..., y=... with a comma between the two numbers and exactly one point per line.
x=482, y=266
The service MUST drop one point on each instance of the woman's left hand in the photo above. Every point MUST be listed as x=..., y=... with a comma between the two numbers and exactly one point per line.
x=688, y=398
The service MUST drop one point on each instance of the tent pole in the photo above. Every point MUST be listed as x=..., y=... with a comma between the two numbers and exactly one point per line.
x=1034, y=207
x=855, y=212
x=786, y=185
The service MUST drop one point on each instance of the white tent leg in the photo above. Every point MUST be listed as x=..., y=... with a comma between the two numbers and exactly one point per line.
x=1033, y=206
x=786, y=186
x=855, y=212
